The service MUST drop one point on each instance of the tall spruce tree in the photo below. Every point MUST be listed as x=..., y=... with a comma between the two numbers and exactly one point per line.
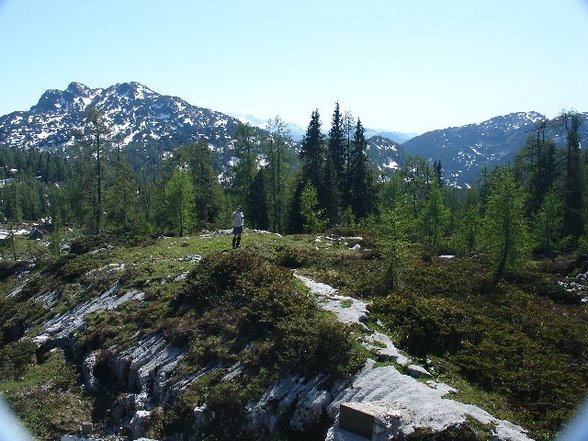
x=336, y=145
x=318, y=170
x=574, y=184
x=244, y=171
x=536, y=167
x=362, y=185
x=122, y=201
x=311, y=152
x=348, y=128
x=258, y=216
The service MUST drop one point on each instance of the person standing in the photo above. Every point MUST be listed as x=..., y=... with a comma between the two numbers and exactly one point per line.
x=238, y=219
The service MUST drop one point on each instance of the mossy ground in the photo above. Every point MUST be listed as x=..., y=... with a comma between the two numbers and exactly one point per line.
x=519, y=349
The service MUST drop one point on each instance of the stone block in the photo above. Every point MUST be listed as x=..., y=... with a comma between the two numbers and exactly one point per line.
x=356, y=420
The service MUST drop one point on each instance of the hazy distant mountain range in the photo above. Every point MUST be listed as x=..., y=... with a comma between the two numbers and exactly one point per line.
x=297, y=132
x=137, y=114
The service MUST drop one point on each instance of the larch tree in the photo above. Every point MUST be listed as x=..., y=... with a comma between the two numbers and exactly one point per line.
x=276, y=149
x=179, y=194
x=433, y=217
x=93, y=138
x=505, y=233
x=549, y=223
x=208, y=193
x=312, y=214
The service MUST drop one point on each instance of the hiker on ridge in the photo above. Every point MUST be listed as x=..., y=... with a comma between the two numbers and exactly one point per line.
x=237, y=227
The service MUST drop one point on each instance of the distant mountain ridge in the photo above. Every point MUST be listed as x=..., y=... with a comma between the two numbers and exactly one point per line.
x=138, y=115
x=464, y=150
x=297, y=132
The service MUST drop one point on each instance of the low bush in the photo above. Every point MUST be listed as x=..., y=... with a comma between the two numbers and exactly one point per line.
x=513, y=340
x=238, y=300
x=16, y=358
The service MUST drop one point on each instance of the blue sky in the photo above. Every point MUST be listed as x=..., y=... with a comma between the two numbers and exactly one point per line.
x=411, y=66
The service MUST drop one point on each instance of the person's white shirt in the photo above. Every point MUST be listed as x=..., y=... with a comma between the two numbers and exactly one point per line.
x=238, y=218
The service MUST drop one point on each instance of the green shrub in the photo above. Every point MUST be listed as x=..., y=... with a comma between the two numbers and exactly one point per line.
x=16, y=358
x=291, y=257
x=237, y=303
x=512, y=340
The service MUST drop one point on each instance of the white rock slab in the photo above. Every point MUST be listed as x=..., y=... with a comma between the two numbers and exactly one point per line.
x=347, y=309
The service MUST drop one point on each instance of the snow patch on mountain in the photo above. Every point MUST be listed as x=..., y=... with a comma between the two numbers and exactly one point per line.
x=133, y=112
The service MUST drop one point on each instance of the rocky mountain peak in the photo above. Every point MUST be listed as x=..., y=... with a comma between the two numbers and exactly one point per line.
x=134, y=112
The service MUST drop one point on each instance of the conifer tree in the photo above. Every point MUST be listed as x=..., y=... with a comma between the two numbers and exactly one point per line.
x=433, y=218
x=295, y=220
x=467, y=233
x=93, y=138
x=258, y=216
x=438, y=173
x=416, y=182
x=348, y=128
x=207, y=194
x=311, y=152
x=536, y=168
x=505, y=233
x=336, y=145
x=179, y=193
x=312, y=214
x=573, y=216
x=277, y=176
x=330, y=196
x=362, y=191
x=244, y=171
x=122, y=202
x=548, y=223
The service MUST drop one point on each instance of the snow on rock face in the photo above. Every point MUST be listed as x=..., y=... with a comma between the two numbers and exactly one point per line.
x=133, y=113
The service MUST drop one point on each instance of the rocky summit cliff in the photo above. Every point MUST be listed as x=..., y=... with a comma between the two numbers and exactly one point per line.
x=134, y=113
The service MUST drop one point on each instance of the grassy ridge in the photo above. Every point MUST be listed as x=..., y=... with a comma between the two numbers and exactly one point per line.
x=519, y=350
